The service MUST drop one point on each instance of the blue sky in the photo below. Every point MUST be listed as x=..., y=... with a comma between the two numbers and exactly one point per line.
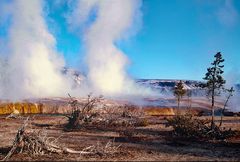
x=177, y=38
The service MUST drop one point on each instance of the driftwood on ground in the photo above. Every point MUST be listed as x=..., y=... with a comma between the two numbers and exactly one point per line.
x=38, y=143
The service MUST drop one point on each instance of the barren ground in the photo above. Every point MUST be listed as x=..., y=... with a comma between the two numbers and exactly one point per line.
x=150, y=143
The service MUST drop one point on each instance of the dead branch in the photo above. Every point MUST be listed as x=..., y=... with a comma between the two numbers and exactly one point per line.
x=12, y=116
x=98, y=149
x=230, y=94
x=82, y=113
x=18, y=140
x=36, y=143
x=39, y=143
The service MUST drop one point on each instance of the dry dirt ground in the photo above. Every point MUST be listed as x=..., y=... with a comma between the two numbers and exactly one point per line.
x=150, y=143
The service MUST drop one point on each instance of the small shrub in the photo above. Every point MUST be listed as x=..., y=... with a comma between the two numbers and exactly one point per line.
x=193, y=128
x=82, y=114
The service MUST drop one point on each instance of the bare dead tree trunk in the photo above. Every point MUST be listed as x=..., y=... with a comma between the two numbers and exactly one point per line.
x=224, y=107
x=212, y=122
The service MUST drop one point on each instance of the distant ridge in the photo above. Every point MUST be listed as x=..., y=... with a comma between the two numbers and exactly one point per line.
x=163, y=85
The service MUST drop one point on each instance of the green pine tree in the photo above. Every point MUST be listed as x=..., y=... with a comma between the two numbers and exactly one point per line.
x=179, y=92
x=214, y=81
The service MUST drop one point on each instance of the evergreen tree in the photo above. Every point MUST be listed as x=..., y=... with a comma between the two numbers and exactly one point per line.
x=214, y=81
x=179, y=92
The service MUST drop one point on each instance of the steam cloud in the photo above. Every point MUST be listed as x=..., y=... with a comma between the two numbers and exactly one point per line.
x=106, y=63
x=33, y=68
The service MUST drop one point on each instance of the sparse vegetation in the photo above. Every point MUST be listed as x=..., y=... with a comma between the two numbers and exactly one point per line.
x=215, y=82
x=186, y=126
x=104, y=124
x=82, y=114
x=120, y=142
x=121, y=116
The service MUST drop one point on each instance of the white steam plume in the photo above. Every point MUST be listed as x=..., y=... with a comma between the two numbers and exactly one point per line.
x=34, y=67
x=106, y=63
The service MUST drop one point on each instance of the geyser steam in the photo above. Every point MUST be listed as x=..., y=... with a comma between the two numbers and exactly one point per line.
x=106, y=63
x=34, y=68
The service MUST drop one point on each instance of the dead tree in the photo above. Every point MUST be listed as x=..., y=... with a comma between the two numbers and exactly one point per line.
x=230, y=94
x=82, y=113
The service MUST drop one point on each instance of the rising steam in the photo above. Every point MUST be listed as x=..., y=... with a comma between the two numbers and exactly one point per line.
x=33, y=68
x=106, y=62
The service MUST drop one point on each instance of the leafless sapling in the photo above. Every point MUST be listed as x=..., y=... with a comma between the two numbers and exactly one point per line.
x=229, y=95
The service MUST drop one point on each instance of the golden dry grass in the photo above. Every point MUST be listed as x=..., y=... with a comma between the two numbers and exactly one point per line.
x=22, y=108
